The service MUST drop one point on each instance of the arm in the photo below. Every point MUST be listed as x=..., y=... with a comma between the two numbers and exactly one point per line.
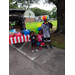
x=42, y=31
x=51, y=25
x=42, y=28
x=30, y=37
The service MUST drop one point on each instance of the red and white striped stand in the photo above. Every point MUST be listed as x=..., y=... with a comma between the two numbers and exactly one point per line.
x=19, y=39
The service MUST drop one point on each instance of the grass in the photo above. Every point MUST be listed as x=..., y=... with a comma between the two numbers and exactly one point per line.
x=58, y=40
x=33, y=25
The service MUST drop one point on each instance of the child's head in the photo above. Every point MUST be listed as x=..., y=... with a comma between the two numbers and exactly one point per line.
x=32, y=33
x=40, y=31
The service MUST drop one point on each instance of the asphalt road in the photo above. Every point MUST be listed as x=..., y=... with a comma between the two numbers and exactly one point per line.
x=44, y=62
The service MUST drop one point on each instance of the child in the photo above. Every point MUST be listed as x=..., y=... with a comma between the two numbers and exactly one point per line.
x=33, y=41
x=40, y=38
x=46, y=32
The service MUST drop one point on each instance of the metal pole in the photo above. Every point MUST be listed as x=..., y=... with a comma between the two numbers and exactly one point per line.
x=29, y=17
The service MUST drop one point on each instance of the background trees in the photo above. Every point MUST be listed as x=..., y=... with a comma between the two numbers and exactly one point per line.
x=12, y=4
x=60, y=5
x=39, y=12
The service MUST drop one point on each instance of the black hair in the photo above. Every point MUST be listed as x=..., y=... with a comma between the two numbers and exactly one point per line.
x=41, y=31
x=31, y=32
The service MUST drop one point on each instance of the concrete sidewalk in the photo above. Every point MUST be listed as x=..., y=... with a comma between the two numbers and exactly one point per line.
x=53, y=61
x=46, y=62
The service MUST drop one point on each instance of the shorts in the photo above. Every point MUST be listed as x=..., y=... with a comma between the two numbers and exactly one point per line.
x=33, y=44
x=47, y=37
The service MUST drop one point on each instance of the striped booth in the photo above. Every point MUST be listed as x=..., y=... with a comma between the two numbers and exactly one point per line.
x=19, y=39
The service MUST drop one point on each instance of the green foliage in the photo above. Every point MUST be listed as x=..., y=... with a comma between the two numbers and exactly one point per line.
x=39, y=12
x=12, y=4
x=53, y=1
x=24, y=3
x=53, y=13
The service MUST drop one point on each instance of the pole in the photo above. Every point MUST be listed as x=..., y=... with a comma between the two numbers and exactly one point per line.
x=29, y=16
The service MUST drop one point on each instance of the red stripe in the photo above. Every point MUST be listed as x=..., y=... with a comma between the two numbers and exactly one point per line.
x=27, y=37
x=20, y=39
x=9, y=41
x=16, y=39
x=13, y=40
x=23, y=38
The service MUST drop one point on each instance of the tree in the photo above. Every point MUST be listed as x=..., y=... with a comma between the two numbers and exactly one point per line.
x=12, y=4
x=39, y=12
x=60, y=4
x=54, y=12
x=23, y=3
x=26, y=3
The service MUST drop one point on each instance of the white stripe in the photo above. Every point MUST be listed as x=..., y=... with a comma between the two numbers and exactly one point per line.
x=48, y=40
x=28, y=37
x=11, y=40
x=15, y=39
x=25, y=38
x=44, y=36
x=18, y=39
x=48, y=36
x=22, y=38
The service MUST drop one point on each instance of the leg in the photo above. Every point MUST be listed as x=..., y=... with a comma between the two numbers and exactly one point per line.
x=32, y=48
x=48, y=39
x=40, y=45
x=35, y=47
x=45, y=42
x=50, y=43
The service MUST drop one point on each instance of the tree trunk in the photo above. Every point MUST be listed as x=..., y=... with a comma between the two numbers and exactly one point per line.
x=61, y=17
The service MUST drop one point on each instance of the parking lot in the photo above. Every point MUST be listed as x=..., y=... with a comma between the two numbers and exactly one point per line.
x=44, y=62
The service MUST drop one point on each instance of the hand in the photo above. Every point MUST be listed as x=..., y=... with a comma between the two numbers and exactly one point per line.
x=33, y=37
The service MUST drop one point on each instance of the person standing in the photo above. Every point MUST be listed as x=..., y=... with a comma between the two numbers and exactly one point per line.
x=46, y=32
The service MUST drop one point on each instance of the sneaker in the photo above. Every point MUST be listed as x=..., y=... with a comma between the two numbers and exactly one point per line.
x=51, y=47
x=36, y=50
x=46, y=47
x=32, y=50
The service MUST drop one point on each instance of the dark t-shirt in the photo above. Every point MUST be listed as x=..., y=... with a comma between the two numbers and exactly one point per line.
x=33, y=38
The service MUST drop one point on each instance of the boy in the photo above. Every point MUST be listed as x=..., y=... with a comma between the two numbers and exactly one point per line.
x=33, y=41
x=46, y=32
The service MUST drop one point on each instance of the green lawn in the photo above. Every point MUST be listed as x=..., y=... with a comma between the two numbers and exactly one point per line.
x=33, y=25
x=57, y=40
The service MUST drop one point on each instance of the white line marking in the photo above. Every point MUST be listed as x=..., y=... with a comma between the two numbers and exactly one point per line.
x=28, y=56
x=25, y=54
x=22, y=45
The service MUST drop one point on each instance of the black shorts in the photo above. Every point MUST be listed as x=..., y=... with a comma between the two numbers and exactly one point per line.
x=33, y=44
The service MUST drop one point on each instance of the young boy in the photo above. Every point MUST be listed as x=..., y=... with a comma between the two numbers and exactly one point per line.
x=33, y=41
x=46, y=32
